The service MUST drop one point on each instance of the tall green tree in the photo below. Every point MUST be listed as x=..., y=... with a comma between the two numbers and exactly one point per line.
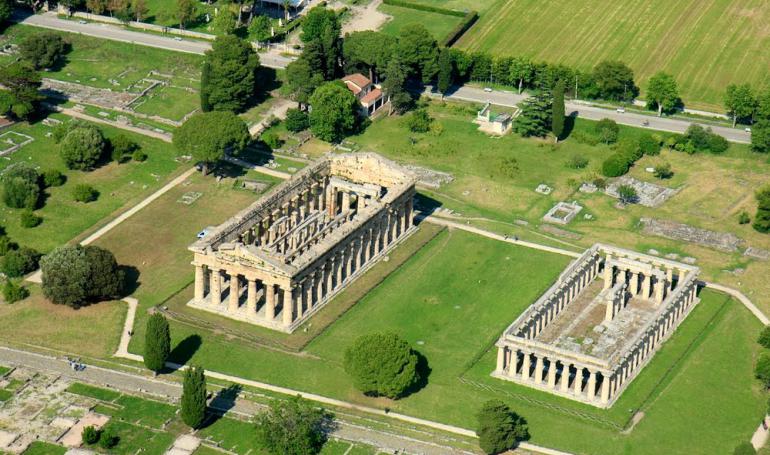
x=333, y=113
x=317, y=21
x=615, y=81
x=558, y=111
x=394, y=86
x=762, y=218
x=260, y=28
x=367, y=52
x=205, y=87
x=193, y=401
x=82, y=148
x=535, y=116
x=760, y=136
x=224, y=23
x=42, y=50
x=499, y=428
x=6, y=7
x=232, y=79
x=185, y=12
x=445, y=71
x=19, y=85
x=418, y=51
x=740, y=102
x=208, y=135
x=157, y=342
x=292, y=427
x=302, y=80
x=763, y=103
x=382, y=364
x=662, y=93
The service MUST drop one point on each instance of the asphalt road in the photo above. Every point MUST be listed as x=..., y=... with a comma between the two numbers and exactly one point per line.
x=510, y=99
x=115, y=33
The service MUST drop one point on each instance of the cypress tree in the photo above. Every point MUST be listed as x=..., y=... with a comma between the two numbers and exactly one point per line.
x=444, y=71
x=193, y=397
x=205, y=79
x=157, y=342
x=557, y=111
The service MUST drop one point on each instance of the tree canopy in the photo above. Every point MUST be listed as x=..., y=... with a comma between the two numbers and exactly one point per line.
x=615, y=81
x=662, y=93
x=231, y=81
x=21, y=188
x=334, y=111
x=19, y=96
x=367, y=52
x=206, y=136
x=6, y=7
x=292, y=427
x=42, y=50
x=82, y=147
x=499, y=428
x=193, y=401
x=302, y=80
x=445, y=71
x=319, y=20
x=382, y=364
x=418, y=51
x=740, y=102
x=558, y=111
x=157, y=342
x=762, y=218
x=535, y=116
x=78, y=275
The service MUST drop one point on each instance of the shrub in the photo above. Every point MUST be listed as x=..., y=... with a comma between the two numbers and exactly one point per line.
x=663, y=171
x=61, y=130
x=20, y=262
x=577, y=162
x=382, y=364
x=28, y=219
x=13, y=292
x=615, y=165
x=607, y=131
x=82, y=148
x=764, y=337
x=744, y=448
x=649, y=145
x=743, y=218
x=717, y=143
x=53, y=177
x=627, y=194
x=139, y=156
x=699, y=139
x=271, y=140
x=762, y=369
x=90, y=435
x=122, y=148
x=292, y=427
x=6, y=244
x=629, y=148
x=599, y=183
x=297, y=120
x=499, y=428
x=419, y=121
x=509, y=167
x=762, y=218
x=108, y=438
x=581, y=137
x=84, y=193
x=20, y=186
x=77, y=275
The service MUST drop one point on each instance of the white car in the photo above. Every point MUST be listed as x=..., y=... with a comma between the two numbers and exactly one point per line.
x=747, y=129
x=621, y=110
x=82, y=22
x=177, y=38
x=487, y=89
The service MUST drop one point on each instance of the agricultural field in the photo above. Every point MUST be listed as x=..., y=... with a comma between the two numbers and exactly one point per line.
x=439, y=25
x=700, y=44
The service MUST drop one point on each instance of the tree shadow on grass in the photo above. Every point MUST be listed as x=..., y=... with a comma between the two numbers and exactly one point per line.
x=569, y=125
x=222, y=402
x=185, y=350
x=130, y=279
x=423, y=372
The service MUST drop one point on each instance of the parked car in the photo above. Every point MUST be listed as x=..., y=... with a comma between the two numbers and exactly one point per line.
x=178, y=38
x=747, y=129
x=621, y=110
x=487, y=89
x=82, y=22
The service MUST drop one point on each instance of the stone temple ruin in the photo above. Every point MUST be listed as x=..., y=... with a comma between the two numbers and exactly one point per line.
x=595, y=329
x=281, y=259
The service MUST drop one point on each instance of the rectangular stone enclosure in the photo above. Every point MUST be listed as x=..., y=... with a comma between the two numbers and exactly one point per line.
x=597, y=327
x=281, y=259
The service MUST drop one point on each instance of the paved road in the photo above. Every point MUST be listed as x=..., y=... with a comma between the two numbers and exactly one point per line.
x=106, y=31
x=511, y=99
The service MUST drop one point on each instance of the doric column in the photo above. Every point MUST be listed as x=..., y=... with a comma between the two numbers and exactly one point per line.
x=368, y=235
x=234, y=292
x=408, y=214
x=608, y=271
x=501, y=358
x=525, y=367
x=330, y=275
x=339, y=263
x=539, y=370
x=578, y=382
x=646, y=287
x=605, y=389
x=251, y=296
x=288, y=306
x=331, y=200
x=359, y=252
x=660, y=288
x=200, y=283
x=349, y=252
x=216, y=287
x=591, y=388
x=564, y=386
x=319, y=286
x=670, y=278
x=269, y=301
x=634, y=286
x=345, y=202
x=552, y=373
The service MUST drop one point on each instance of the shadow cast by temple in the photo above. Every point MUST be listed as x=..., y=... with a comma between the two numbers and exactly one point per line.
x=426, y=206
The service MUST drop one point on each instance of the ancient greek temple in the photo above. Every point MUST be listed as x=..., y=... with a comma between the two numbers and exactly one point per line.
x=598, y=326
x=280, y=260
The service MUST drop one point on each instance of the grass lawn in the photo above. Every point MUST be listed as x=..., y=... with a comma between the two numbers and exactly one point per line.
x=231, y=434
x=700, y=44
x=44, y=448
x=99, y=393
x=112, y=64
x=119, y=185
x=169, y=102
x=134, y=439
x=439, y=25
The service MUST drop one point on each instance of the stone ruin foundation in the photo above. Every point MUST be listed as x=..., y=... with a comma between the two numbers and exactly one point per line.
x=281, y=259
x=598, y=326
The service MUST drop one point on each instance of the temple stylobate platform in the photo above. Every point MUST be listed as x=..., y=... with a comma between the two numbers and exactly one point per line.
x=280, y=260
x=597, y=327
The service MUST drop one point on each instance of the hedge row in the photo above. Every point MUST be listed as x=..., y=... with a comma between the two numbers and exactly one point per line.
x=460, y=29
x=421, y=7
